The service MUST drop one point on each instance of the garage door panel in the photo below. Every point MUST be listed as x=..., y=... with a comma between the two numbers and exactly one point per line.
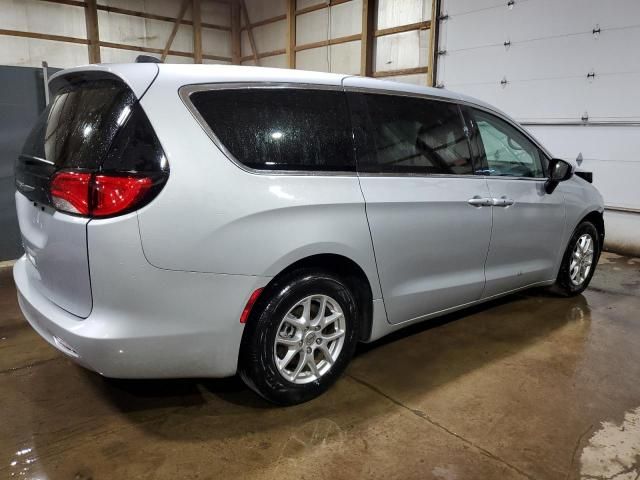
x=607, y=56
x=573, y=56
x=475, y=66
x=552, y=99
x=616, y=13
x=616, y=180
x=525, y=21
x=594, y=142
x=467, y=6
x=458, y=30
x=570, y=58
x=614, y=97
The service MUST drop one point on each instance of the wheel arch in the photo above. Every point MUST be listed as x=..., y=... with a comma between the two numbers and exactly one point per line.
x=345, y=268
x=597, y=219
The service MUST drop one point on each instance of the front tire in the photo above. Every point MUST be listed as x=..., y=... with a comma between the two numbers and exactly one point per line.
x=300, y=337
x=579, y=261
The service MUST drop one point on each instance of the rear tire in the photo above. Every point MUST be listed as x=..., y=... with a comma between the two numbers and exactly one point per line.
x=292, y=349
x=579, y=260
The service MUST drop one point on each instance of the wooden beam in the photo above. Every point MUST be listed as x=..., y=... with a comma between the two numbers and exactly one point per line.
x=433, y=44
x=43, y=36
x=403, y=71
x=366, y=45
x=291, y=33
x=272, y=53
x=236, y=39
x=320, y=6
x=266, y=21
x=174, y=30
x=216, y=57
x=197, y=31
x=136, y=48
x=252, y=41
x=119, y=46
x=136, y=13
x=93, y=33
x=152, y=16
x=73, y=3
x=403, y=28
x=331, y=41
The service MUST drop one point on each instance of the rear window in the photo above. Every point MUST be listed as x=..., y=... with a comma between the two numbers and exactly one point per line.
x=77, y=127
x=281, y=128
x=93, y=123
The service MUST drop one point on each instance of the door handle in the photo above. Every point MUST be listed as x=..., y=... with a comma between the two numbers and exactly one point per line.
x=503, y=201
x=478, y=201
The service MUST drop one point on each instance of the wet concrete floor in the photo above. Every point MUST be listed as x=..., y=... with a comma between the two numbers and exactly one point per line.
x=531, y=386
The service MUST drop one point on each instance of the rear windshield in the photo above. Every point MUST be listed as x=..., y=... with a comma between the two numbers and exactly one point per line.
x=281, y=128
x=78, y=125
x=93, y=122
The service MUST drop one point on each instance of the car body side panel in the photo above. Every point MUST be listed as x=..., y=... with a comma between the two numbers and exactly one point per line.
x=580, y=198
x=161, y=322
x=215, y=217
x=526, y=236
x=430, y=243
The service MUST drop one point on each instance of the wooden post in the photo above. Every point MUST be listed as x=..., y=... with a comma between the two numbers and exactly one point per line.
x=176, y=25
x=236, y=40
x=93, y=33
x=291, y=33
x=197, y=31
x=368, y=29
x=434, y=33
x=252, y=40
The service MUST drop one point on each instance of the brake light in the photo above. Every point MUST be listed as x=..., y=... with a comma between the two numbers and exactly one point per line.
x=97, y=195
x=70, y=192
x=113, y=195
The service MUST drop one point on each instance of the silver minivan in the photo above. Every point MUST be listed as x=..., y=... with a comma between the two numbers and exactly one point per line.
x=203, y=221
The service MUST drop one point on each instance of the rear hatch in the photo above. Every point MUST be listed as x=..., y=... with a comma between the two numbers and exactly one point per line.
x=92, y=154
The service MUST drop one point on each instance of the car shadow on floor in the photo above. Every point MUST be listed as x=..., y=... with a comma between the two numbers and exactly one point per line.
x=434, y=352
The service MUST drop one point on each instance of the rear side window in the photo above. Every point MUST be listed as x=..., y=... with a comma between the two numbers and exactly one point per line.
x=413, y=135
x=280, y=128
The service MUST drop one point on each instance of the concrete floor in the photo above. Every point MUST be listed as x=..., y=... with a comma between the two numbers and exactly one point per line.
x=531, y=386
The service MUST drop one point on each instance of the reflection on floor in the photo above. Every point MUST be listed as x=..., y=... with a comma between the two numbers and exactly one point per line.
x=531, y=386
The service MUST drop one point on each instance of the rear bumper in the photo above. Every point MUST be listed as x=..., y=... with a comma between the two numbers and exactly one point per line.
x=192, y=328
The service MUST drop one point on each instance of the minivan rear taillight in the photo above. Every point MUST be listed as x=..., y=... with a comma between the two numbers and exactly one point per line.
x=98, y=195
x=70, y=192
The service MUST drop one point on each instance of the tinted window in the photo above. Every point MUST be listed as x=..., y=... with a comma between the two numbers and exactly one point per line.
x=281, y=129
x=507, y=152
x=93, y=121
x=78, y=125
x=413, y=135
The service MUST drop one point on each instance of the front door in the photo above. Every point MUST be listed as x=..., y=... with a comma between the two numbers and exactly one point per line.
x=528, y=223
x=415, y=172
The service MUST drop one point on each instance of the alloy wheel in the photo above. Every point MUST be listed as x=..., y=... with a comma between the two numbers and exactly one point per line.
x=309, y=339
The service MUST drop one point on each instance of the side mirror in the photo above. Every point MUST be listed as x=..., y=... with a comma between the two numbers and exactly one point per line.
x=559, y=171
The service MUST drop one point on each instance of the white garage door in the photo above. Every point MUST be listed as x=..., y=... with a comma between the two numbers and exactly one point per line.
x=552, y=64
